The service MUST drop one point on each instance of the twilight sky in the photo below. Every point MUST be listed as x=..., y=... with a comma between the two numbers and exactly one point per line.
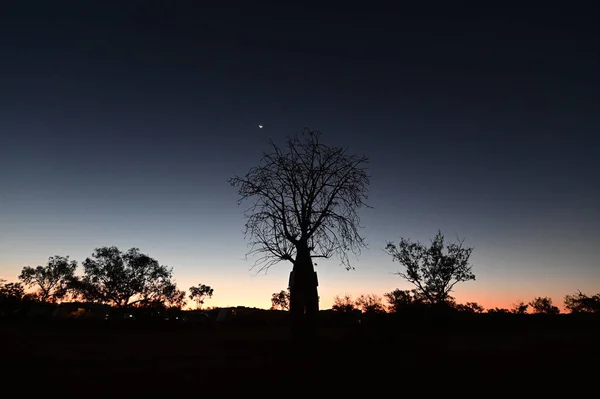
x=120, y=123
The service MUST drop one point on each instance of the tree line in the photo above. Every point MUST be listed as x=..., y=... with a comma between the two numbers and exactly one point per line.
x=399, y=301
x=125, y=279
x=122, y=279
x=304, y=202
x=434, y=270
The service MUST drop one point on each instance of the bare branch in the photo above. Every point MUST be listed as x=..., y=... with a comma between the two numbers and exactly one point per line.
x=309, y=195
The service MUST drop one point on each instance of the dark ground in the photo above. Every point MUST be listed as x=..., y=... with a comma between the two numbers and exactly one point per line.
x=90, y=359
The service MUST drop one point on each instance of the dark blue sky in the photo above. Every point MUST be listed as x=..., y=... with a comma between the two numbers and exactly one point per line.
x=120, y=123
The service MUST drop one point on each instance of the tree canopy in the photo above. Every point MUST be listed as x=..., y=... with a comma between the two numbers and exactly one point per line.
x=53, y=281
x=127, y=278
x=280, y=300
x=199, y=293
x=433, y=270
x=305, y=196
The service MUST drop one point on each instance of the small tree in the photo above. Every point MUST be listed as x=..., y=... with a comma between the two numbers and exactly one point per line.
x=470, y=307
x=581, y=303
x=519, y=308
x=343, y=304
x=370, y=304
x=11, y=295
x=52, y=281
x=11, y=291
x=499, y=311
x=199, y=293
x=543, y=305
x=434, y=270
x=280, y=300
x=399, y=300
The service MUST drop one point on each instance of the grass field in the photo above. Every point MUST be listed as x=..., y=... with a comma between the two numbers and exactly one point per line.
x=142, y=359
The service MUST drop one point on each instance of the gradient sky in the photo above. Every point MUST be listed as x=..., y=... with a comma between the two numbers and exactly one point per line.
x=120, y=123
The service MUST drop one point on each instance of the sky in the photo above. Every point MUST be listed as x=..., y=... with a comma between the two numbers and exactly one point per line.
x=121, y=122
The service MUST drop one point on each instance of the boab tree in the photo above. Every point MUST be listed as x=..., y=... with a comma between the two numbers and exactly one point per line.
x=52, y=281
x=304, y=203
x=433, y=270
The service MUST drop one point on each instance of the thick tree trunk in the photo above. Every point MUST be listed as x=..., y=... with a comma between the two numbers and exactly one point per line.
x=304, y=296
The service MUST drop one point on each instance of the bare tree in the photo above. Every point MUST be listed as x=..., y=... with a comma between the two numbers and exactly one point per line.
x=433, y=270
x=53, y=281
x=304, y=203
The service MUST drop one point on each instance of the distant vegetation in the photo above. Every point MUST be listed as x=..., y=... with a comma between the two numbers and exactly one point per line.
x=129, y=280
x=132, y=282
x=304, y=199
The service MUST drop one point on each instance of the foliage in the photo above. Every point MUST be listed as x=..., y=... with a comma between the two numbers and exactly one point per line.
x=11, y=295
x=11, y=291
x=127, y=278
x=370, y=303
x=399, y=300
x=304, y=198
x=581, y=303
x=520, y=308
x=199, y=293
x=53, y=281
x=499, y=311
x=433, y=270
x=280, y=300
x=470, y=307
x=343, y=304
x=543, y=305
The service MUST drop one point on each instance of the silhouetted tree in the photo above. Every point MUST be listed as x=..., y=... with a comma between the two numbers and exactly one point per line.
x=280, y=300
x=304, y=206
x=127, y=278
x=433, y=270
x=53, y=281
x=343, y=304
x=581, y=303
x=199, y=293
x=499, y=311
x=370, y=304
x=172, y=297
x=11, y=291
x=470, y=307
x=11, y=295
x=543, y=305
x=519, y=308
x=399, y=300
